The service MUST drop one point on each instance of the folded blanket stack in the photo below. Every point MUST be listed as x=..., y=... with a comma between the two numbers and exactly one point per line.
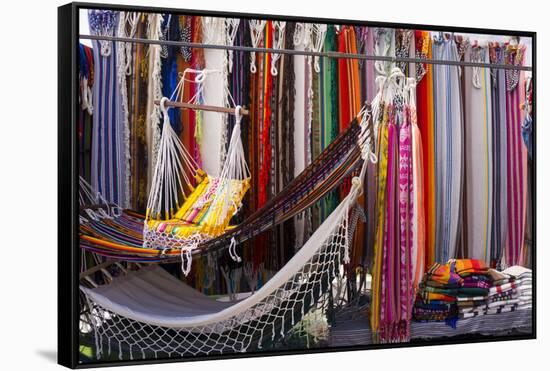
x=509, y=291
x=436, y=299
x=523, y=279
x=465, y=288
x=477, y=281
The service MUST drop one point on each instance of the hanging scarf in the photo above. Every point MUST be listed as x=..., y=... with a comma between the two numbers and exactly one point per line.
x=418, y=198
x=517, y=157
x=85, y=119
x=389, y=298
x=328, y=110
x=406, y=220
x=425, y=113
x=448, y=148
x=478, y=141
x=137, y=106
x=500, y=182
x=109, y=156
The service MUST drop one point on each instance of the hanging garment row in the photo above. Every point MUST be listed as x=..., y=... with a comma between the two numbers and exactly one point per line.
x=452, y=138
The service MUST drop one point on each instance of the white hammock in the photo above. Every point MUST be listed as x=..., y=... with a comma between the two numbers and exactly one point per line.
x=150, y=313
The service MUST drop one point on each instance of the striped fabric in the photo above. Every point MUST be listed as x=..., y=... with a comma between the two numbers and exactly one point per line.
x=425, y=111
x=109, y=156
x=329, y=106
x=500, y=164
x=418, y=218
x=517, y=160
x=382, y=147
x=448, y=134
x=406, y=214
x=478, y=148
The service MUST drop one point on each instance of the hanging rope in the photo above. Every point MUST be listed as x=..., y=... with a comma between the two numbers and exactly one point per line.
x=278, y=43
x=232, y=26
x=256, y=34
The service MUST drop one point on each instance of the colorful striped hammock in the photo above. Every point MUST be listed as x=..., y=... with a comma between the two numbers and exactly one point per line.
x=179, y=214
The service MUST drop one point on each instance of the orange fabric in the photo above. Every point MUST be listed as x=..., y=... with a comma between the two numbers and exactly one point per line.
x=425, y=112
x=349, y=99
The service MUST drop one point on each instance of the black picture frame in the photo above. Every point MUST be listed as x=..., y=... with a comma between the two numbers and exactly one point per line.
x=68, y=234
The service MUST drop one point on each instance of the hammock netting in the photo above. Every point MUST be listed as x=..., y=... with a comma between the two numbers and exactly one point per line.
x=154, y=315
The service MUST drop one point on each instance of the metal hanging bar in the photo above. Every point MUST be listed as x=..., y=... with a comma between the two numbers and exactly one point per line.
x=305, y=52
x=202, y=107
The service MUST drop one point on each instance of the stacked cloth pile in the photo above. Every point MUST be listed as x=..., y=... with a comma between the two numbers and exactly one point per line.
x=523, y=282
x=436, y=297
x=478, y=280
x=465, y=288
x=510, y=290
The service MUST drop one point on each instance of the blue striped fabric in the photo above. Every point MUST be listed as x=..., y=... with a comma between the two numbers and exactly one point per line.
x=109, y=160
x=448, y=133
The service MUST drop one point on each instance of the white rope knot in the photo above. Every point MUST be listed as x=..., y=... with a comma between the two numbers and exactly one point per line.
x=186, y=260
x=238, y=115
x=256, y=32
x=163, y=107
x=233, y=250
x=278, y=43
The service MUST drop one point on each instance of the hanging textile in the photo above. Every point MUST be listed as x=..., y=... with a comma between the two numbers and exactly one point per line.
x=418, y=220
x=170, y=76
x=349, y=92
x=448, y=134
x=425, y=117
x=154, y=92
x=393, y=268
x=137, y=80
x=389, y=296
x=478, y=166
x=189, y=58
x=406, y=221
x=85, y=119
x=404, y=45
x=527, y=132
x=500, y=153
x=365, y=37
x=517, y=156
x=382, y=40
x=265, y=137
x=109, y=157
x=284, y=129
x=259, y=245
x=328, y=110
x=302, y=118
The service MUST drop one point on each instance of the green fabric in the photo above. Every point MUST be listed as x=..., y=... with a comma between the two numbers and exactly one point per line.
x=329, y=107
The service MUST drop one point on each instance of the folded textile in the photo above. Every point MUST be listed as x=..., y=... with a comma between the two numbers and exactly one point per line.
x=433, y=308
x=439, y=290
x=472, y=292
x=510, y=294
x=443, y=274
x=502, y=288
x=468, y=267
x=497, y=276
x=477, y=281
x=470, y=303
x=502, y=303
x=428, y=297
x=477, y=308
x=518, y=271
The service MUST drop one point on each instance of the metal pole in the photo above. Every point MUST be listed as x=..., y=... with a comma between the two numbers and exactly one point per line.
x=305, y=52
